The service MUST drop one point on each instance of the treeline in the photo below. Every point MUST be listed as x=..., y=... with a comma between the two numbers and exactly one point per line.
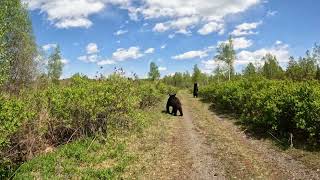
x=300, y=69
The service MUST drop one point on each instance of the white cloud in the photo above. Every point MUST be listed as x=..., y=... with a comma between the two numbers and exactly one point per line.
x=89, y=58
x=162, y=68
x=163, y=46
x=281, y=51
x=74, y=22
x=182, y=14
x=246, y=29
x=210, y=65
x=120, y=32
x=212, y=27
x=105, y=62
x=67, y=14
x=278, y=42
x=49, y=46
x=180, y=25
x=64, y=61
x=191, y=55
x=122, y=54
x=239, y=43
x=187, y=14
x=149, y=51
x=92, y=48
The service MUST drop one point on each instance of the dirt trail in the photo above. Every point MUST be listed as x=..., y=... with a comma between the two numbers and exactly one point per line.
x=202, y=145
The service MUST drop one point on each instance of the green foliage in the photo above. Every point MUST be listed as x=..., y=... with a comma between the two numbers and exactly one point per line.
x=196, y=74
x=250, y=70
x=271, y=68
x=17, y=45
x=154, y=73
x=55, y=65
x=62, y=113
x=281, y=106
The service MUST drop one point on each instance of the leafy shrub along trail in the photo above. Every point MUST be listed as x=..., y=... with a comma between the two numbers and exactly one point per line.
x=282, y=107
x=44, y=118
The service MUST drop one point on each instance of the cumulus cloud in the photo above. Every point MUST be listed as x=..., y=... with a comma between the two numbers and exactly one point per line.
x=64, y=61
x=246, y=29
x=193, y=12
x=92, y=48
x=106, y=62
x=162, y=68
x=149, y=51
x=239, y=43
x=212, y=27
x=122, y=54
x=89, y=58
x=49, y=46
x=281, y=51
x=180, y=25
x=182, y=14
x=191, y=55
x=67, y=14
x=120, y=32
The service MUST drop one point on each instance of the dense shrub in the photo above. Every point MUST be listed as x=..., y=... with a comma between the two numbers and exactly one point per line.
x=61, y=113
x=281, y=106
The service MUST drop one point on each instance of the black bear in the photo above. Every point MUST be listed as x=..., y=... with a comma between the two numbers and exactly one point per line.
x=195, y=90
x=175, y=103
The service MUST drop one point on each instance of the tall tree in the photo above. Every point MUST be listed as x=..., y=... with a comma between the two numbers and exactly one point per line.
x=249, y=70
x=308, y=65
x=55, y=65
x=154, y=73
x=318, y=73
x=227, y=54
x=271, y=68
x=196, y=74
x=17, y=45
x=293, y=69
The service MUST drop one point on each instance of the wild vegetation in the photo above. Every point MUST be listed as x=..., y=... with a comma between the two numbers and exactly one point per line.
x=40, y=112
x=266, y=97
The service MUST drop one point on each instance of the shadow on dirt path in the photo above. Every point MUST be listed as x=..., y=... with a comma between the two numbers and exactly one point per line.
x=202, y=145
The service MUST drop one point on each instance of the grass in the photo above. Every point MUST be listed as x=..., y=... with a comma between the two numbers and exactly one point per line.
x=100, y=157
x=86, y=159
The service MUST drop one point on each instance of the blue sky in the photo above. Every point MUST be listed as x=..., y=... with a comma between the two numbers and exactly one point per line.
x=175, y=34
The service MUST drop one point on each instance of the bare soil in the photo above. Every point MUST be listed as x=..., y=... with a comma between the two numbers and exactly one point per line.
x=202, y=145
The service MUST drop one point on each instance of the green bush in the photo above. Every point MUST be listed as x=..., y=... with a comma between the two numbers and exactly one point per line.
x=280, y=106
x=79, y=108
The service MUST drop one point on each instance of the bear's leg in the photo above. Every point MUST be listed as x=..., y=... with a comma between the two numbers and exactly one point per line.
x=180, y=111
x=168, y=109
x=174, y=111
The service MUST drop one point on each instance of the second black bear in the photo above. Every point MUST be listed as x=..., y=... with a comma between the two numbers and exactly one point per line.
x=195, y=90
x=175, y=103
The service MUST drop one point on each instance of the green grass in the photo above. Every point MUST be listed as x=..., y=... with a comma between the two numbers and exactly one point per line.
x=100, y=157
x=85, y=159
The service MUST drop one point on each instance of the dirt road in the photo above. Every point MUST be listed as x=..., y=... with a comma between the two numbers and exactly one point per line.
x=202, y=145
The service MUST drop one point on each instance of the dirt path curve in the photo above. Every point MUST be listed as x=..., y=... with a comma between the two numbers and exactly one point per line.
x=202, y=145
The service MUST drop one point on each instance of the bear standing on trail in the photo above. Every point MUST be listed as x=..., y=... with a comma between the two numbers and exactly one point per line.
x=175, y=103
x=195, y=90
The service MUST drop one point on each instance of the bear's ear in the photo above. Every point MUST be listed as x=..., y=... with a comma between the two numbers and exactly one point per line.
x=174, y=94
